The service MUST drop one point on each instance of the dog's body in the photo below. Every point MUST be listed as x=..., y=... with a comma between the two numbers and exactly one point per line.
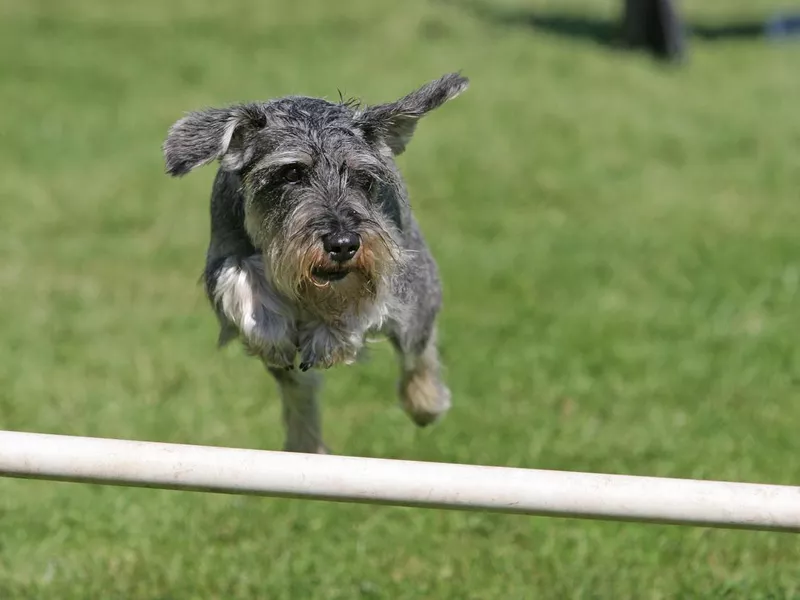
x=314, y=244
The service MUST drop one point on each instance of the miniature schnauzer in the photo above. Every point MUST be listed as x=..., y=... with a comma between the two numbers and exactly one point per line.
x=314, y=245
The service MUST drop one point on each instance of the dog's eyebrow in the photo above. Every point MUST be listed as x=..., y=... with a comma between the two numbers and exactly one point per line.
x=364, y=161
x=286, y=157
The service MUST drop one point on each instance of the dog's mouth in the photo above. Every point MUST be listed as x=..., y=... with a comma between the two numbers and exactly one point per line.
x=323, y=277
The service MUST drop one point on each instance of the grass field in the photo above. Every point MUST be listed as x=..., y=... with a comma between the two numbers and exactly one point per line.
x=619, y=243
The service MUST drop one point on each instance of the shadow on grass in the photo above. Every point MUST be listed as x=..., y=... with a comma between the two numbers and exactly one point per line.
x=596, y=30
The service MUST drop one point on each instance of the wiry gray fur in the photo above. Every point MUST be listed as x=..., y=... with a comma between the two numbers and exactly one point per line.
x=296, y=175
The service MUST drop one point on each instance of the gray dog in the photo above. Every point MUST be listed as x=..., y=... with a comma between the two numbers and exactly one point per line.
x=314, y=244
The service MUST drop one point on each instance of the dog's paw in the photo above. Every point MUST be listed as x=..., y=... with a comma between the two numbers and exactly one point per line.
x=309, y=362
x=424, y=397
x=314, y=357
x=309, y=359
x=279, y=355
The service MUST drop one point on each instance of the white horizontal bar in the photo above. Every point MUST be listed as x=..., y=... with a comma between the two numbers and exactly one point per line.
x=401, y=483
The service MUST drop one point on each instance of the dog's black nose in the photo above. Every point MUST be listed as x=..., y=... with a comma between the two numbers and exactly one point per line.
x=341, y=246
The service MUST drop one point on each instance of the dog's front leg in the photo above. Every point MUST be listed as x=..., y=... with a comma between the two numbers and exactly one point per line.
x=246, y=305
x=301, y=413
x=424, y=395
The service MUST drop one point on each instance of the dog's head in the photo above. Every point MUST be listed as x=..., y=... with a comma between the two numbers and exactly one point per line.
x=323, y=197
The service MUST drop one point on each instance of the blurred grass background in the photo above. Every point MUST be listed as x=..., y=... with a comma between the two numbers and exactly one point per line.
x=619, y=246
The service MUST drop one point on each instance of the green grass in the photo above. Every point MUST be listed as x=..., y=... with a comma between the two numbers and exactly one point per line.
x=619, y=244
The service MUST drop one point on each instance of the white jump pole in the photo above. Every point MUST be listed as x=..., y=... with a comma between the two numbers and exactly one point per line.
x=400, y=483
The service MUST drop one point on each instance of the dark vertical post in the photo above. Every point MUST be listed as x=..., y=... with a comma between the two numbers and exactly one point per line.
x=655, y=25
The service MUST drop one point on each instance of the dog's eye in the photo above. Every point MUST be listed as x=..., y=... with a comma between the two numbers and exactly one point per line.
x=291, y=174
x=363, y=179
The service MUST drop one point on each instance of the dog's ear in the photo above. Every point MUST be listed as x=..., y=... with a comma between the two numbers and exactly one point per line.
x=394, y=122
x=215, y=133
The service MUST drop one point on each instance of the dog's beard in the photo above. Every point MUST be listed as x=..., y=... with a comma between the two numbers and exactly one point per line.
x=302, y=271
